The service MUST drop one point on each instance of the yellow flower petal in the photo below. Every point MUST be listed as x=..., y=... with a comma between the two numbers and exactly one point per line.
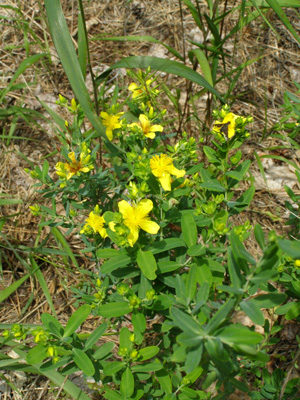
x=109, y=134
x=144, y=207
x=136, y=217
x=157, y=128
x=165, y=182
x=179, y=173
x=162, y=168
x=150, y=135
x=124, y=208
x=133, y=236
x=149, y=226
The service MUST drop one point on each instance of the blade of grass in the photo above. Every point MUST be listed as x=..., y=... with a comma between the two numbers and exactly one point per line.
x=204, y=64
x=4, y=202
x=61, y=240
x=282, y=159
x=40, y=277
x=23, y=66
x=163, y=65
x=4, y=294
x=66, y=52
x=82, y=45
x=261, y=168
x=264, y=18
x=274, y=4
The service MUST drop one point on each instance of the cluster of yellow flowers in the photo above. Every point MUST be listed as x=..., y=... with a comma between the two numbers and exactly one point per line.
x=74, y=167
x=136, y=216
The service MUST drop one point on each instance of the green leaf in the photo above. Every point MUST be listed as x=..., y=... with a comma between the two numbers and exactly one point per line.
x=76, y=319
x=293, y=312
x=103, y=350
x=164, y=65
x=164, y=380
x=37, y=354
x=82, y=44
x=22, y=67
x=167, y=266
x=194, y=356
x=213, y=185
x=67, y=55
x=164, y=245
x=148, y=367
x=139, y=321
x=242, y=202
x=4, y=202
x=125, y=335
x=116, y=309
x=107, y=253
x=253, y=311
x=211, y=155
x=186, y=322
x=191, y=283
x=274, y=4
x=95, y=336
x=147, y=264
x=291, y=248
x=259, y=236
x=5, y=293
x=269, y=300
x=127, y=383
x=220, y=316
x=115, y=263
x=204, y=64
x=61, y=240
x=197, y=250
x=148, y=352
x=112, y=395
x=83, y=361
x=235, y=334
x=236, y=277
x=113, y=367
x=40, y=277
x=52, y=325
x=189, y=229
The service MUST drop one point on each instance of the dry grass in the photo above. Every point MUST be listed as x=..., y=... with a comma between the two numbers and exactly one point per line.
x=260, y=87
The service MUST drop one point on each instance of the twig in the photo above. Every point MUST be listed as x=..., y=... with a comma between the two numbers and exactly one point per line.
x=289, y=371
x=61, y=388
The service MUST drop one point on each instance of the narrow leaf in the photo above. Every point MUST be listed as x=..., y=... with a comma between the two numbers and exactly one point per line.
x=253, y=311
x=116, y=309
x=164, y=65
x=76, y=319
x=189, y=229
x=14, y=286
x=95, y=336
x=83, y=362
x=127, y=383
x=66, y=52
x=147, y=264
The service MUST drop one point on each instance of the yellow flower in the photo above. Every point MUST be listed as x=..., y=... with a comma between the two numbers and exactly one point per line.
x=162, y=167
x=67, y=170
x=227, y=126
x=138, y=90
x=94, y=224
x=136, y=218
x=111, y=122
x=148, y=129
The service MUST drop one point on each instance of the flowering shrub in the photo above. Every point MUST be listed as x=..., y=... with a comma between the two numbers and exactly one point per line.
x=173, y=268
